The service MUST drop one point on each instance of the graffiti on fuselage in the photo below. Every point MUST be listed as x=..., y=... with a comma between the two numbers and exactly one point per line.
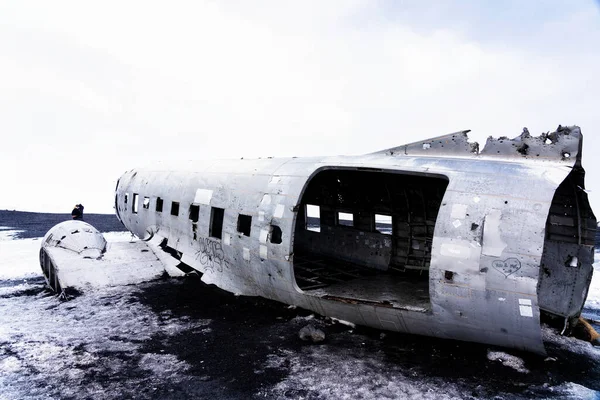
x=211, y=256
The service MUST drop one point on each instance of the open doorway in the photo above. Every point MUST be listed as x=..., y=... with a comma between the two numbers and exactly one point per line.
x=366, y=235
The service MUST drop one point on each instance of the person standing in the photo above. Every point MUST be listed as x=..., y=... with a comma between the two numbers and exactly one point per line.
x=77, y=212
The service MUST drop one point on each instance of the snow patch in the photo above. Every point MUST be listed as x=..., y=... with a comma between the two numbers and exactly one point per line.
x=508, y=360
x=164, y=366
x=341, y=321
x=98, y=334
x=119, y=237
x=10, y=364
x=9, y=234
x=300, y=318
x=572, y=344
x=20, y=258
x=360, y=375
x=574, y=391
x=16, y=289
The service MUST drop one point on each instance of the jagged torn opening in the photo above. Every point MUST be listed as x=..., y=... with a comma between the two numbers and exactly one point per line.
x=366, y=235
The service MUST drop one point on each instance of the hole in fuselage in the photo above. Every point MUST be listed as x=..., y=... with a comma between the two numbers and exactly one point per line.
x=374, y=237
x=568, y=253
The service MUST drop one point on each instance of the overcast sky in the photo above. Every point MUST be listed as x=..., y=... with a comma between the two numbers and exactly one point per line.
x=89, y=90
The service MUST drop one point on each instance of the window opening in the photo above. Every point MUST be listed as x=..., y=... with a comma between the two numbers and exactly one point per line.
x=275, y=234
x=175, y=208
x=244, y=224
x=194, y=212
x=383, y=224
x=146, y=204
x=134, y=205
x=216, y=222
x=345, y=219
x=159, y=204
x=313, y=218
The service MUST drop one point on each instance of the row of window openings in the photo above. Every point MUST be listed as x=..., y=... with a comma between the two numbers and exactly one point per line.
x=244, y=222
x=383, y=222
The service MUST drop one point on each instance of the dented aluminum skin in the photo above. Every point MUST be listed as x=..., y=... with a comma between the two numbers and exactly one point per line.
x=501, y=252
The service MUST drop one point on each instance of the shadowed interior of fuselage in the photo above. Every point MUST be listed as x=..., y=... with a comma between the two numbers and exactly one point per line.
x=366, y=236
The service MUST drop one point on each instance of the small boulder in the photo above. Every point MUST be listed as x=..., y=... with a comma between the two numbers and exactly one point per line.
x=310, y=333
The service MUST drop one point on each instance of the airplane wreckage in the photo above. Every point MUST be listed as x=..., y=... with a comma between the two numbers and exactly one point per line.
x=432, y=238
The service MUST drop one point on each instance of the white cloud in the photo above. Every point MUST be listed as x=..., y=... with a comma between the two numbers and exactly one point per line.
x=90, y=92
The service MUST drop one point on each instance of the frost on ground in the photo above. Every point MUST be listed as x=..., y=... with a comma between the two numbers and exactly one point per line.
x=49, y=348
x=80, y=348
x=108, y=343
x=572, y=390
x=364, y=372
x=164, y=366
x=316, y=372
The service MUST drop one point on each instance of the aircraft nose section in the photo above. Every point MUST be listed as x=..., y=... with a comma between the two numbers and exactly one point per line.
x=77, y=236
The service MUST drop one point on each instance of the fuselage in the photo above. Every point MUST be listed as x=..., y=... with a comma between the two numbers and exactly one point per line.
x=444, y=242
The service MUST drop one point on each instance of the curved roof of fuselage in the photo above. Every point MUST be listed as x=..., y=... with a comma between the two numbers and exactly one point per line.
x=307, y=166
